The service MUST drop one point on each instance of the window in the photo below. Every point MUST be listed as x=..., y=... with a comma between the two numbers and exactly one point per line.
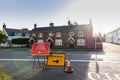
x=50, y=34
x=40, y=41
x=119, y=34
x=40, y=35
x=81, y=42
x=58, y=42
x=58, y=34
x=33, y=35
x=71, y=33
x=26, y=34
x=18, y=34
x=80, y=34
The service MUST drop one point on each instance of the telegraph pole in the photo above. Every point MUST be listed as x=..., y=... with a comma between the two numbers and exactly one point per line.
x=95, y=42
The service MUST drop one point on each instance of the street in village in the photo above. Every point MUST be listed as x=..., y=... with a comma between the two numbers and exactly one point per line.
x=87, y=65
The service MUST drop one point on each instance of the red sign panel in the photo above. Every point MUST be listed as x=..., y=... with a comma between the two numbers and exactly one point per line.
x=41, y=48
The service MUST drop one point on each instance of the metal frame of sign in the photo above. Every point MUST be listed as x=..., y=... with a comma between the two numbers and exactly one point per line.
x=38, y=58
x=40, y=55
x=56, y=65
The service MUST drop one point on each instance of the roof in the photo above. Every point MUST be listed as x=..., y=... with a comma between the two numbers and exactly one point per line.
x=60, y=28
x=115, y=30
x=11, y=32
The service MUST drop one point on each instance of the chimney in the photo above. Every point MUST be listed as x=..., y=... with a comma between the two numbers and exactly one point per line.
x=51, y=24
x=4, y=26
x=35, y=25
x=69, y=23
x=90, y=21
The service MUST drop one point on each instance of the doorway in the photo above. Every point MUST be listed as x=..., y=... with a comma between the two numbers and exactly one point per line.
x=71, y=44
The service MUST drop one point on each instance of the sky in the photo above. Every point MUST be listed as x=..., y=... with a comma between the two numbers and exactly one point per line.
x=105, y=14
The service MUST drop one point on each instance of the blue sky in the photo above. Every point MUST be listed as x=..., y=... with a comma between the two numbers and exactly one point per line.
x=105, y=14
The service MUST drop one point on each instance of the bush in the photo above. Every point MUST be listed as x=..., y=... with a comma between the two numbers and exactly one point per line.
x=20, y=41
x=5, y=76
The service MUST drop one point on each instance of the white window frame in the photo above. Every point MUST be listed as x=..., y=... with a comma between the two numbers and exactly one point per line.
x=40, y=35
x=118, y=33
x=58, y=34
x=50, y=34
x=58, y=42
x=18, y=34
x=40, y=41
x=33, y=34
x=80, y=33
x=71, y=33
x=80, y=42
x=26, y=34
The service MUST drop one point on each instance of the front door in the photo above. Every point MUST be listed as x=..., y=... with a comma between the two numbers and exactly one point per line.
x=71, y=44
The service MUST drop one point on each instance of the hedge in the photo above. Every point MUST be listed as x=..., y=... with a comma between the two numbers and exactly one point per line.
x=20, y=40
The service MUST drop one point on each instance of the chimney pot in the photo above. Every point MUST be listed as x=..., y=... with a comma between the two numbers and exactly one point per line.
x=51, y=24
x=4, y=26
x=35, y=25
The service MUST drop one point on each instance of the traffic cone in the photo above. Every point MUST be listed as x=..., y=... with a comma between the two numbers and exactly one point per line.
x=69, y=68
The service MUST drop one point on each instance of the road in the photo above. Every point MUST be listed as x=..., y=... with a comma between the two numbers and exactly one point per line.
x=87, y=65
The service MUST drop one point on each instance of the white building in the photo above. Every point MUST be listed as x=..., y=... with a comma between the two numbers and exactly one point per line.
x=14, y=33
x=114, y=36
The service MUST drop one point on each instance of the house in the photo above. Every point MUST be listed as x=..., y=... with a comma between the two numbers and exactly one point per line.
x=68, y=36
x=113, y=36
x=14, y=33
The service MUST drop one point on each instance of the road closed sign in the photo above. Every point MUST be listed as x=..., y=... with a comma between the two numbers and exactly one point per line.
x=41, y=48
x=56, y=59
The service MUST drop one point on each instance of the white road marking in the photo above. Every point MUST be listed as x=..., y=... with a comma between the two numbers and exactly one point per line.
x=96, y=76
x=107, y=75
x=91, y=77
x=21, y=59
x=73, y=60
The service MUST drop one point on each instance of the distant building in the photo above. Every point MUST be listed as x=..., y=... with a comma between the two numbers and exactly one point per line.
x=104, y=38
x=69, y=36
x=14, y=33
x=113, y=36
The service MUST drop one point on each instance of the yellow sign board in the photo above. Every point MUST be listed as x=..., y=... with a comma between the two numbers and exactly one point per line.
x=56, y=59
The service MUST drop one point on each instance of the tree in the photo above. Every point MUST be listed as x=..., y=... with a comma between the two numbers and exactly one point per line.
x=3, y=37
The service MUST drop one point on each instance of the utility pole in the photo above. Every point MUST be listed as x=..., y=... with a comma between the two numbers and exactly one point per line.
x=95, y=42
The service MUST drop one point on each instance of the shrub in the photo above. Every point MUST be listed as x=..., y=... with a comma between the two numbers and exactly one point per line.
x=20, y=41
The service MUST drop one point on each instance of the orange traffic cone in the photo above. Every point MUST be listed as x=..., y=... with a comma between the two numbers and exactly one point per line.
x=69, y=67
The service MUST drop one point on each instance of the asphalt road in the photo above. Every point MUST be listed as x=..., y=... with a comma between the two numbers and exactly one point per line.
x=87, y=65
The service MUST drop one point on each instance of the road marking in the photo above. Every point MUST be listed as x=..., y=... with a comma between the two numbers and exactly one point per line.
x=107, y=75
x=73, y=60
x=101, y=76
x=94, y=61
x=91, y=77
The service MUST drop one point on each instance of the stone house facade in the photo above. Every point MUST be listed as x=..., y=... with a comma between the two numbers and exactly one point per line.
x=69, y=36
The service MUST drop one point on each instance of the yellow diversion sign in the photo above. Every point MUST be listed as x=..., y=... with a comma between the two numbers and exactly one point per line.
x=56, y=59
